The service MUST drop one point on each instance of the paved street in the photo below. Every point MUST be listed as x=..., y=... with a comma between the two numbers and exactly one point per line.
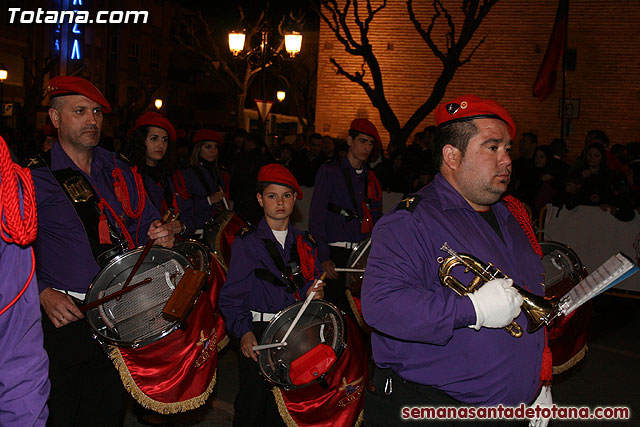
x=608, y=375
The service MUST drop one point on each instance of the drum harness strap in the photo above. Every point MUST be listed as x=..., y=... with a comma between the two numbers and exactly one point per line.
x=372, y=190
x=89, y=206
x=291, y=274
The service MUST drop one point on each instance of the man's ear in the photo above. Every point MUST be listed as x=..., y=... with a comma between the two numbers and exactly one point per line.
x=349, y=140
x=54, y=115
x=451, y=156
x=259, y=197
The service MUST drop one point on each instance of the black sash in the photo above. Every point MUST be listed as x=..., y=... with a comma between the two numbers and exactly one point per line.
x=352, y=194
x=85, y=202
x=290, y=275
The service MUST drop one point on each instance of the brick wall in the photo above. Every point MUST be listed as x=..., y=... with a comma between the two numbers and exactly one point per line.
x=604, y=34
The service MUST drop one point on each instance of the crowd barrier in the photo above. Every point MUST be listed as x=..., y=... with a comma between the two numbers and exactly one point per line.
x=595, y=235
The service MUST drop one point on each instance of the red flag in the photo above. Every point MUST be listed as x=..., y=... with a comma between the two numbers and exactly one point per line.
x=546, y=80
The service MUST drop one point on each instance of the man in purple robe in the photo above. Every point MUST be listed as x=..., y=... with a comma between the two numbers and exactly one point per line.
x=431, y=346
x=24, y=367
x=89, y=202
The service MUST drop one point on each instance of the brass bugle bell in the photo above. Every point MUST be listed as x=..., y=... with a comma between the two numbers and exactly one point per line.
x=538, y=310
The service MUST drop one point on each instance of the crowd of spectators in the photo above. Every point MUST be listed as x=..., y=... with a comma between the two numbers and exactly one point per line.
x=602, y=175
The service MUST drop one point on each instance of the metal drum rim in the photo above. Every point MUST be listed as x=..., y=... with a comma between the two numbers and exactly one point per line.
x=140, y=342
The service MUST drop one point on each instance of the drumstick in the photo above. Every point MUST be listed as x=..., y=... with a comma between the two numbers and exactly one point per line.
x=349, y=270
x=366, y=246
x=302, y=309
x=267, y=346
x=295, y=320
x=145, y=251
x=116, y=294
x=224, y=199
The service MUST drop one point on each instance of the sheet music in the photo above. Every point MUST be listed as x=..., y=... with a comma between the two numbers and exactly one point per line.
x=601, y=279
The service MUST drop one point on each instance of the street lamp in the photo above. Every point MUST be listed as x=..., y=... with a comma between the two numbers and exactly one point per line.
x=262, y=52
x=3, y=76
x=158, y=103
x=281, y=95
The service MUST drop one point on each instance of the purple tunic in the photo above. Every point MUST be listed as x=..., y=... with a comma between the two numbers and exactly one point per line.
x=24, y=366
x=330, y=187
x=202, y=210
x=423, y=334
x=243, y=291
x=156, y=193
x=61, y=234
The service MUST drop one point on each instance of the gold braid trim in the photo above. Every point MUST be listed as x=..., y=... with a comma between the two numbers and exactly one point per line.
x=286, y=417
x=282, y=408
x=217, y=253
x=222, y=344
x=356, y=313
x=571, y=362
x=149, y=403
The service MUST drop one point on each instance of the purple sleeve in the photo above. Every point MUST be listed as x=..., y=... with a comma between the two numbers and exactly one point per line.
x=24, y=366
x=401, y=293
x=318, y=211
x=236, y=290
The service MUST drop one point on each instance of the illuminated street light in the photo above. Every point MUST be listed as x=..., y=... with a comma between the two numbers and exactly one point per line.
x=293, y=42
x=236, y=43
x=158, y=103
x=281, y=95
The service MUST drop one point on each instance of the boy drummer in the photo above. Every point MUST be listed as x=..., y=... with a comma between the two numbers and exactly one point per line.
x=273, y=265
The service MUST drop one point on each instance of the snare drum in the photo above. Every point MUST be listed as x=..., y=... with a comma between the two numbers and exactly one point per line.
x=135, y=319
x=197, y=253
x=220, y=232
x=165, y=368
x=567, y=335
x=320, y=376
x=315, y=343
x=353, y=282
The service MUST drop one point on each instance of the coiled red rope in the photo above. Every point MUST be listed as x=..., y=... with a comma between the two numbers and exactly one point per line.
x=14, y=226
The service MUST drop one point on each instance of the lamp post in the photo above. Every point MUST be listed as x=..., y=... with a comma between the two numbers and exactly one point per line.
x=3, y=76
x=292, y=41
x=158, y=103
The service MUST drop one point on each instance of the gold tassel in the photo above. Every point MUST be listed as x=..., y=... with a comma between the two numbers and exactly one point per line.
x=571, y=362
x=282, y=408
x=149, y=403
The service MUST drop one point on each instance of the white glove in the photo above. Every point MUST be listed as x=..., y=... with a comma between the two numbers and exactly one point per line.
x=545, y=400
x=496, y=303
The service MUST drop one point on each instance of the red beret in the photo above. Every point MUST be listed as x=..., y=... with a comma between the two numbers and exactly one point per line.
x=278, y=174
x=152, y=118
x=470, y=107
x=365, y=126
x=68, y=85
x=207, y=135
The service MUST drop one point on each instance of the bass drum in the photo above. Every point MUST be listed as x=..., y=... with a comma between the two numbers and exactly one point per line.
x=220, y=232
x=567, y=334
x=353, y=281
x=135, y=318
